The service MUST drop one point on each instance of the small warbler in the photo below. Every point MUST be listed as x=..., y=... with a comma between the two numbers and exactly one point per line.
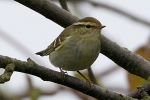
x=77, y=47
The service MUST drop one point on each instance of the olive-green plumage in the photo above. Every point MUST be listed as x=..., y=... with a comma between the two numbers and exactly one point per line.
x=77, y=47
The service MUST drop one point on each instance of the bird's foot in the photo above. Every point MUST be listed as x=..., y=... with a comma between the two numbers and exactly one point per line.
x=63, y=73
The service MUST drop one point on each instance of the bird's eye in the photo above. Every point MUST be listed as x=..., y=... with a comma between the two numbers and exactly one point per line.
x=88, y=26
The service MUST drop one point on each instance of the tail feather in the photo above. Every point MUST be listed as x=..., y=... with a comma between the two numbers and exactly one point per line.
x=42, y=53
x=45, y=52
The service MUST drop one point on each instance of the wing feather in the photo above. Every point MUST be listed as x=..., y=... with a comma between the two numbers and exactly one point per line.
x=56, y=43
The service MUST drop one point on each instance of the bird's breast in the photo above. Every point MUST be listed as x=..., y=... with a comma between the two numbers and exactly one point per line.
x=76, y=53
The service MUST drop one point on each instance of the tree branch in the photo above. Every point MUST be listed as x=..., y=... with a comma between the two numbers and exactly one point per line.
x=63, y=4
x=129, y=61
x=136, y=93
x=9, y=69
x=66, y=80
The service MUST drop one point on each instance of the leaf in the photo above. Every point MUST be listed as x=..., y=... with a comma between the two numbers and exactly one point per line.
x=136, y=81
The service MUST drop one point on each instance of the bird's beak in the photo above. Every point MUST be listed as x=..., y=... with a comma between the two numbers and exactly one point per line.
x=102, y=26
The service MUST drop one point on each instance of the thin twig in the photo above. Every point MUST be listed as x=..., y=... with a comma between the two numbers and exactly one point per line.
x=92, y=76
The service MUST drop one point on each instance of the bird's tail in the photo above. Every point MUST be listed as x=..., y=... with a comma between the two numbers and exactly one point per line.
x=43, y=53
x=46, y=51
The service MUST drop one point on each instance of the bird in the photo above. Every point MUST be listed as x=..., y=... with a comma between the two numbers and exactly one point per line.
x=77, y=47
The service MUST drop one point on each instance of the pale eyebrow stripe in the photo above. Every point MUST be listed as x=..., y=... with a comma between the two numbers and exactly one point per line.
x=85, y=23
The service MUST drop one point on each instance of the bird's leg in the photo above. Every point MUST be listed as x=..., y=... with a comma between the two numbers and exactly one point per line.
x=88, y=81
x=83, y=76
x=64, y=72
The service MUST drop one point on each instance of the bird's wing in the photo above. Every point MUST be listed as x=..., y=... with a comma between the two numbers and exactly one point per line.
x=55, y=44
